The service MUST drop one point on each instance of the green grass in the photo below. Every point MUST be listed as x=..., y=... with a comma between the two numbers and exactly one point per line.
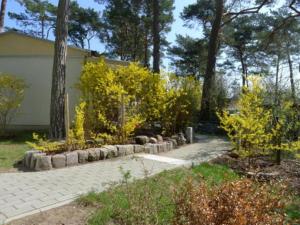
x=12, y=149
x=215, y=174
x=160, y=187
x=293, y=210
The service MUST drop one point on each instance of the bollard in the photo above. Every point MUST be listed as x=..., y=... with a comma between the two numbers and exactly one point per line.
x=189, y=135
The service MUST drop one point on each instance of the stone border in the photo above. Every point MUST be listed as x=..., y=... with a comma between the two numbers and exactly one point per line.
x=39, y=161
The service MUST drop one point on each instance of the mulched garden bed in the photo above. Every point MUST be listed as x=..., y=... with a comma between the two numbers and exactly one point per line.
x=264, y=168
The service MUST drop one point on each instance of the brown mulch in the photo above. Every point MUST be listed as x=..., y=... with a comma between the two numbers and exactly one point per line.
x=264, y=168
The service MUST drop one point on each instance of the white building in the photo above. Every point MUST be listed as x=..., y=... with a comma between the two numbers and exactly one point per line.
x=31, y=59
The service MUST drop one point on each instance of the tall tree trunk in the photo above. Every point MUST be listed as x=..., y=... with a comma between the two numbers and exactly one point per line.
x=293, y=89
x=146, y=57
x=2, y=15
x=244, y=68
x=147, y=32
x=276, y=107
x=209, y=77
x=276, y=99
x=156, y=37
x=43, y=28
x=57, y=108
x=291, y=76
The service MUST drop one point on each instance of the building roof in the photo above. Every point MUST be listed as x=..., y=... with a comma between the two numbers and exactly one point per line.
x=20, y=33
x=86, y=52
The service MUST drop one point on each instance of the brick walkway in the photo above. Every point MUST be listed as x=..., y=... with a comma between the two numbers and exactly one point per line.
x=22, y=194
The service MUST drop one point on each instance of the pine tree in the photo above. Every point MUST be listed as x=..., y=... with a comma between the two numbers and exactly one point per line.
x=57, y=108
x=2, y=14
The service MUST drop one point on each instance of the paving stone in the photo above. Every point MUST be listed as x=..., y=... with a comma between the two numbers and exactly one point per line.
x=112, y=151
x=97, y=150
x=43, y=162
x=92, y=155
x=151, y=148
x=43, y=189
x=82, y=156
x=2, y=219
x=174, y=142
x=108, y=151
x=71, y=158
x=59, y=161
x=27, y=158
x=162, y=147
x=169, y=145
x=34, y=158
x=159, y=139
x=139, y=148
x=103, y=153
x=125, y=150
x=153, y=140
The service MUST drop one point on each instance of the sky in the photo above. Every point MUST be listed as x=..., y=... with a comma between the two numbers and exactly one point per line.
x=177, y=27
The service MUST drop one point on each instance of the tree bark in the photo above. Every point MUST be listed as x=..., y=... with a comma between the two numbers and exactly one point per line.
x=57, y=108
x=209, y=78
x=276, y=99
x=146, y=57
x=291, y=76
x=2, y=15
x=244, y=67
x=293, y=89
x=156, y=37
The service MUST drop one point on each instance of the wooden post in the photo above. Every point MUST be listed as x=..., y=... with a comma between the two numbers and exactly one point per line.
x=67, y=117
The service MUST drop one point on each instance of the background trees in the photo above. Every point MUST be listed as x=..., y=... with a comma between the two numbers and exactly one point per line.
x=134, y=30
x=236, y=38
x=37, y=18
x=188, y=56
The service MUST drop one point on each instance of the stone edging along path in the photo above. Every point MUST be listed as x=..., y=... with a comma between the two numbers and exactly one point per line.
x=39, y=161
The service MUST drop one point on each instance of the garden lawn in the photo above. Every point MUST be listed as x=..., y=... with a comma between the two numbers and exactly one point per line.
x=157, y=191
x=151, y=199
x=12, y=149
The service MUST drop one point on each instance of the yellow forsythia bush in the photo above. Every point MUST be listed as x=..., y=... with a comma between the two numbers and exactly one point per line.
x=182, y=104
x=249, y=129
x=253, y=129
x=120, y=100
x=108, y=92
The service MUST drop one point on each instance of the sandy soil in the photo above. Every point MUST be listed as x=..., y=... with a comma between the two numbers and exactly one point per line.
x=72, y=214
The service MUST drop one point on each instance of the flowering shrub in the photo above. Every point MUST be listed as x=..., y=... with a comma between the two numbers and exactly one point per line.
x=182, y=104
x=122, y=99
x=249, y=129
x=254, y=130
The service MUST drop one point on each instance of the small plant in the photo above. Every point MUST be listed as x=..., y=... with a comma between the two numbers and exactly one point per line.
x=45, y=145
x=75, y=140
x=239, y=202
x=11, y=97
x=76, y=136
